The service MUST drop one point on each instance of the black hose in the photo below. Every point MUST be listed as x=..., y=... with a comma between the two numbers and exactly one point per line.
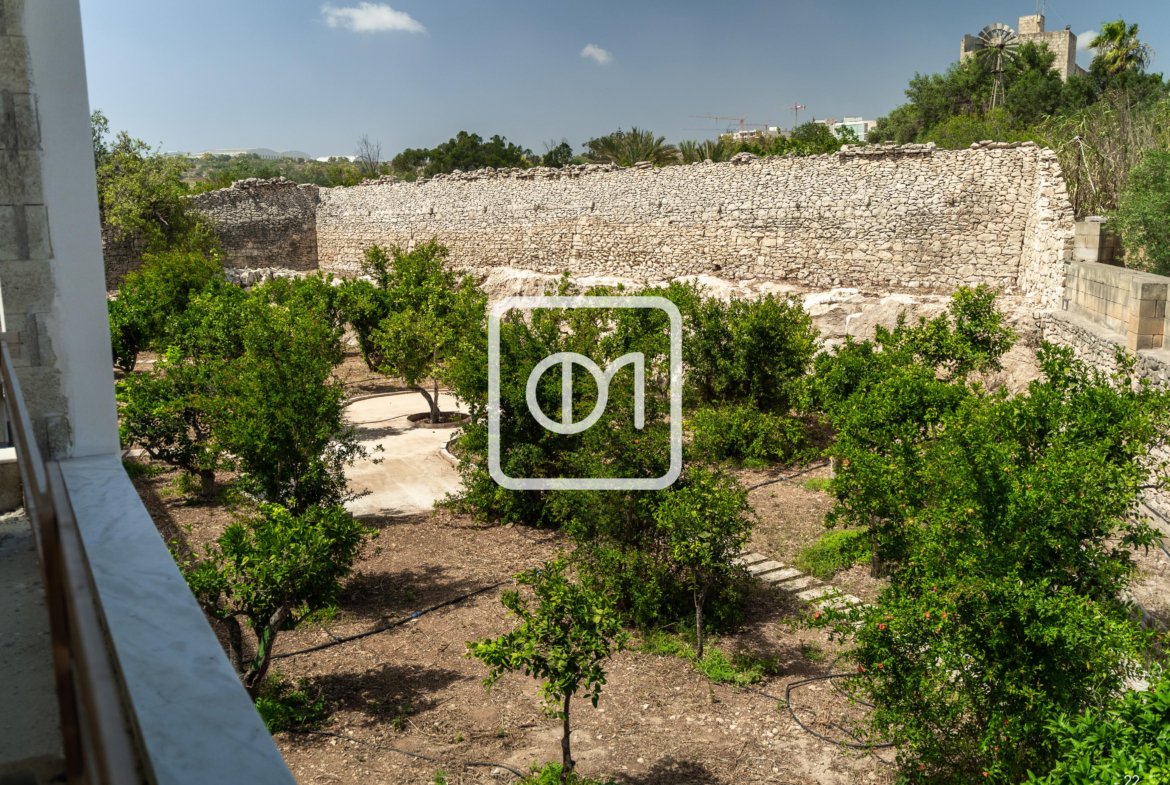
x=388, y=625
x=856, y=745
x=417, y=755
x=775, y=480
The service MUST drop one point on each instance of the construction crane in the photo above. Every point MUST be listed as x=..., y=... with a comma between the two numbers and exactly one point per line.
x=741, y=120
x=796, y=114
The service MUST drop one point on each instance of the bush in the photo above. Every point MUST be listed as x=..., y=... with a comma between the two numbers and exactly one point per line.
x=1014, y=523
x=285, y=707
x=834, y=551
x=1143, y=214
x=1127, y=741
x=744, y=433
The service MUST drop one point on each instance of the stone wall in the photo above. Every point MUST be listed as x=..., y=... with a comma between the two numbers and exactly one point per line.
x=879, y=218
x=1129, y=303
x=264, y=223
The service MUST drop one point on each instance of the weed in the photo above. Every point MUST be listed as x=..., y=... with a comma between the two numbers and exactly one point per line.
x=144, y=471
x=836, y=550
x=812, y=652
x=821, y=484
x=550, y=774
x=283, y=706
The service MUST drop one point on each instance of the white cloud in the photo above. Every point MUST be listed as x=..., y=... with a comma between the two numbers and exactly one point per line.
x=1084, y=38
x=597, y=54
x=371, y=18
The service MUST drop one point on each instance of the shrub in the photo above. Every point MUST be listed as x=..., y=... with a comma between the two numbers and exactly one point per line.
x=285, y=707
x=834, y=551
x=1143, y=214
x=551, y=774
x=1127, y=741
x=744, y=433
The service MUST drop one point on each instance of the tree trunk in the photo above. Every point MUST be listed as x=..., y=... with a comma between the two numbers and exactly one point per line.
x=206, y=483
x=700, y=595
x=432, y=402
x=567, y=762
x=236, y=641
x=435, y=381
x=264, y=640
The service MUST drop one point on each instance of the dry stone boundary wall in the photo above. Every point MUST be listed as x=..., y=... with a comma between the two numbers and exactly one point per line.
x=879, y=218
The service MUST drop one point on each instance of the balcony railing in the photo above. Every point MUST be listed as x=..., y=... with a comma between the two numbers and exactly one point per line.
x=97, y=733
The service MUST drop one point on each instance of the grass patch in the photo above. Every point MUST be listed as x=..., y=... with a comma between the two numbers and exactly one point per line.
x=821, y=484
x=739, y=669
x=550, y=774
x=835, y=551
x=284, y=706
x=137, y=470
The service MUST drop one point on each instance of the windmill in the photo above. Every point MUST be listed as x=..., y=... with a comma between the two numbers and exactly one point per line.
x=996, y=45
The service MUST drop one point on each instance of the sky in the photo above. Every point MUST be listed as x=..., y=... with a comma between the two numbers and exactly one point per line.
x=301, y=74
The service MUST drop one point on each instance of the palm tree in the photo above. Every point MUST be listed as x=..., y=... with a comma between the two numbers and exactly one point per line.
x=708, y=150
x=626, y=148
x=1119, y=48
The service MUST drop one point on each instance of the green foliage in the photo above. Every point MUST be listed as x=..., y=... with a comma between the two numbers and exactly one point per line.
x=274, y=570
x=739, y=670
x=744, y=433
x=716, y=150
x=280, y=409
x=210, y=172
x=141, y=193
x=559, y=156
x=1119, y=49
x=465, y=152
x=287, y=707
x=551, y=774
x=1127, y=741
x=1143, y=215
x=151, y=297
x=704, y=521
x=834, y=551
x=626, y=148
x=1008, y=521
x=414, y=316
x=566, y=635
x=750, y=352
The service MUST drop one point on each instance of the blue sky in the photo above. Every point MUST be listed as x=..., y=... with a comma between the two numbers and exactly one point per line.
x=313, y=76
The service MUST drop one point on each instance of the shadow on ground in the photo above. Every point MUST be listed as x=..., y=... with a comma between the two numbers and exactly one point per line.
x=671, y=771
x=390, y=595
x=387, y=693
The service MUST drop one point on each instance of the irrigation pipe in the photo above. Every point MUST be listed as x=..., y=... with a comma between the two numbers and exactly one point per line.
x=775, y=480
x=418, y=755
x=389, y=625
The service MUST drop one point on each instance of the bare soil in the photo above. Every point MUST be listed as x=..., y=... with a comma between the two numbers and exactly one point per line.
x=407, y=702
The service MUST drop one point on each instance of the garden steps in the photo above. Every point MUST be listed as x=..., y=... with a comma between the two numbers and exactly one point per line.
x=804, y=587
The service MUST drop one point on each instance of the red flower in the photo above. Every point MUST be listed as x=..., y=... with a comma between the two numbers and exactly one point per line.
x=881, y=626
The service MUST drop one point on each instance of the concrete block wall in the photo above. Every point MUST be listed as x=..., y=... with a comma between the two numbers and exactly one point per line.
x=1127, y=302
x=1094, y=242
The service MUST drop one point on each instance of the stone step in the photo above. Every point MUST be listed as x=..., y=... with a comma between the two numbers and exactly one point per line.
x=764, y=566
x=796, y=584
x=750, y=558
x=783, y=574
x=818, y=592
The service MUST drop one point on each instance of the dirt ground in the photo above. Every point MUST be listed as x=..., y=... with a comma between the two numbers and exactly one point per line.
x=407, y=702
x=411, y=691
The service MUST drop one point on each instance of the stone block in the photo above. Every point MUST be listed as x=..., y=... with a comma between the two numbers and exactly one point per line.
x=13, y=60
x=20, y=177
x=1146, y=325
x=1136, y=342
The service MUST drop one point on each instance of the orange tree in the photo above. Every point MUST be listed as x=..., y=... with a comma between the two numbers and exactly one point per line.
x=1014, y=523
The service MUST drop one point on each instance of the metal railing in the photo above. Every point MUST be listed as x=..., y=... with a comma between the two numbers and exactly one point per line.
x=98, y=735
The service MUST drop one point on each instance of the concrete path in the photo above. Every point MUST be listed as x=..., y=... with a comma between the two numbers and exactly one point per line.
x=411, y=476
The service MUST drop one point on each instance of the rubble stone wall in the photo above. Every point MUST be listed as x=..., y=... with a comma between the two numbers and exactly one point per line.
x=264, y=223
x=879, y=218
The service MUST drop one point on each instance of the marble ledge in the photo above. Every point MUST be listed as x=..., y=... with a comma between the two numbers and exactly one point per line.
x=195, y=720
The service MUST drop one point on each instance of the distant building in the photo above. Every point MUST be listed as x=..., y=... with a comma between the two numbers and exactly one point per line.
x=327, y=158
x=1063, y=44
x=859, y=126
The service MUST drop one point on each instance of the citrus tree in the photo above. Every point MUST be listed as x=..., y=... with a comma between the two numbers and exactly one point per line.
x=274, y=570
x=565, y=636
x=1004, y=607
x=705, y=523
